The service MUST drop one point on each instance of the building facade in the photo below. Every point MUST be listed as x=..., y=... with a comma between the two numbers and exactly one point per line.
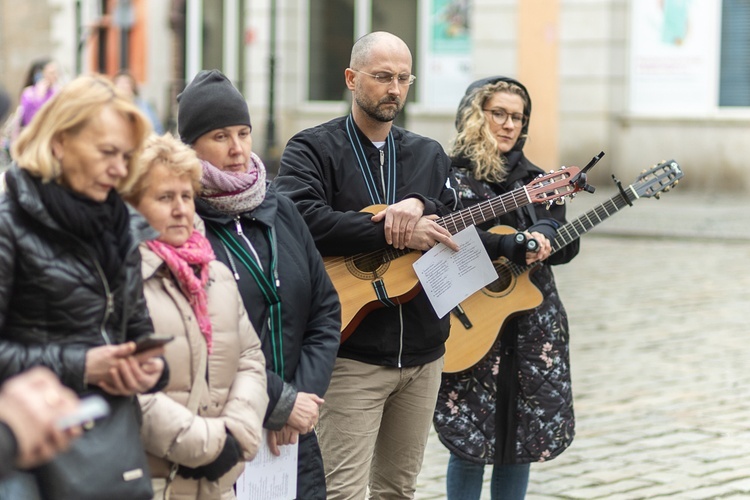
x=642, y=80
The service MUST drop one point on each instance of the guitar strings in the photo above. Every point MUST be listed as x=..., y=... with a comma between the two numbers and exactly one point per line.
x=495, y=206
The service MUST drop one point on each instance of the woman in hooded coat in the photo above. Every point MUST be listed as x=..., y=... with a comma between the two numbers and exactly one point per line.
x=515, y=406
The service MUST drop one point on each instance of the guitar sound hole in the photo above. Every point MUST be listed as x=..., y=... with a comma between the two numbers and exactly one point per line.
x=504, y=282
x=367, y=266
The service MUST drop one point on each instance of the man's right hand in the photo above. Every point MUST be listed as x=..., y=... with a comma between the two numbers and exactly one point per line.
x=428, y=233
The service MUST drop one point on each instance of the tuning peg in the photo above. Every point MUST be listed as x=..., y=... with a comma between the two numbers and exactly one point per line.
x=657, y=196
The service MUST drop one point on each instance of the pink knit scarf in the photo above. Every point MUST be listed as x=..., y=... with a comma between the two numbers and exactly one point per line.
x=234, y=192
x=189, y=265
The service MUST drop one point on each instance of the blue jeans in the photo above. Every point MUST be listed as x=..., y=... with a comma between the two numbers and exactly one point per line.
x=464, y=480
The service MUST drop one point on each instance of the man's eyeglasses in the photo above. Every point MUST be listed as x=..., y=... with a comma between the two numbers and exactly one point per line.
x=500, y=116
x=387, y=78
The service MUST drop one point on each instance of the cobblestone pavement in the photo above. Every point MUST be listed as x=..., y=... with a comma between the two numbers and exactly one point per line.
x=657, y=301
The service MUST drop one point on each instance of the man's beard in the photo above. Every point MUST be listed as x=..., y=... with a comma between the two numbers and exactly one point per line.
x=374, y=111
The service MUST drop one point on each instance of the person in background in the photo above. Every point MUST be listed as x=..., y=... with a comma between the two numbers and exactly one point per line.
x=125, y=82
x=263, y=239
x=31, y=404
x=71, y=297
x=4, y=134
x=4, y=103
x=40, y=85
x=515, y=407
x=374, y=426
x=216, y=357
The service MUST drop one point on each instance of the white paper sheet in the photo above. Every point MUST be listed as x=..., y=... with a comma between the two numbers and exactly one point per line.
x=268, y=477
x=449, y=277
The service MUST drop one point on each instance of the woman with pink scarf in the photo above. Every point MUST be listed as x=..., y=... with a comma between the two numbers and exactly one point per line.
x=201, y=428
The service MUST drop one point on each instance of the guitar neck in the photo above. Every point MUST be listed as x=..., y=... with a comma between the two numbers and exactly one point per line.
x=586, y=222
x=583, y=224
x=484, y=211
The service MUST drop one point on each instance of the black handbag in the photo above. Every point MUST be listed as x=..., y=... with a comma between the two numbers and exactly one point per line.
x=108, y=461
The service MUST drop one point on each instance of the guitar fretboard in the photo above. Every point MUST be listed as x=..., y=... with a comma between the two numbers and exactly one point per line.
x=586, y=222
x=484, y=211
x=583, y=224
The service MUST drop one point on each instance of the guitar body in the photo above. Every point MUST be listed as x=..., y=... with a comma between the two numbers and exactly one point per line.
x=357, y=289
x=359, y=279
x=488, y=309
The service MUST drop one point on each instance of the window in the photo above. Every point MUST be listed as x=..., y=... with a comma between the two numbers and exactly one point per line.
x=331, y=38
x=734, y=79
x=332, y=33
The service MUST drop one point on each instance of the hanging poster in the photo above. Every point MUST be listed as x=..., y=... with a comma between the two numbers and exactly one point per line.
x=447, y=59
x=674, y=48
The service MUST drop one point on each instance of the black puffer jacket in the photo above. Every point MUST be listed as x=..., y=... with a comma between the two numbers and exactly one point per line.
x=311, y=313
x=54, y=300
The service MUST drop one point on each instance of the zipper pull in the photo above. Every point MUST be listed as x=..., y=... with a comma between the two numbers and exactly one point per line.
x=110, y=304
x=382, y=157
x=238, y=225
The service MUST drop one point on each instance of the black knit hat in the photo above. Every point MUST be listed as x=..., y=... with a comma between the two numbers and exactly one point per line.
x=209, y=102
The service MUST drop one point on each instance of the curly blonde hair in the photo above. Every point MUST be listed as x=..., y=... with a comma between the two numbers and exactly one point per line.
x=475, y=141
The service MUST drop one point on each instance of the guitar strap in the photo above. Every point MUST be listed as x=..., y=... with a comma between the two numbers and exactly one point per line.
x=269, y=288
x=388, y=173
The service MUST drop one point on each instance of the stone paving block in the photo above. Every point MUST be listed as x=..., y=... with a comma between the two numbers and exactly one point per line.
x=606, y=490
x=659, y=363
x=563, y=485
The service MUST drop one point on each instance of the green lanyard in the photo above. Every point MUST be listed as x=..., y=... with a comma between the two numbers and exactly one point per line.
x=268, y=288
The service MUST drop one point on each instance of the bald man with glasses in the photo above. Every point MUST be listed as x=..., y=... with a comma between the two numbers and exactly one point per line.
x=376, y=417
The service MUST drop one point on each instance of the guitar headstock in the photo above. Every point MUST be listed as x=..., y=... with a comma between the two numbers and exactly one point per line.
x=555, y=186
x=658, y=179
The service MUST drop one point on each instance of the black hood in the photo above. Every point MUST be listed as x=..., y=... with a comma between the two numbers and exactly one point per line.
x=466, y=99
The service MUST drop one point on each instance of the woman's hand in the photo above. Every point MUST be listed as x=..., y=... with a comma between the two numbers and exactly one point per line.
x=287, y=435
x=544, y=251
x=117, y=370
x=305, y=413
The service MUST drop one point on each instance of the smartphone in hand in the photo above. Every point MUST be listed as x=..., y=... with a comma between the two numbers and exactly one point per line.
x=90, y=408
x=152, y=341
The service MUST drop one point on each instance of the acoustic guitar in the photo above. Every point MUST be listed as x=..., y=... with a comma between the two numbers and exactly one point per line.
x=386, y=277
x=476, y=324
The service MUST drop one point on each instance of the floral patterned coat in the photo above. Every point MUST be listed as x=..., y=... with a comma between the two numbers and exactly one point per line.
x=516, y=405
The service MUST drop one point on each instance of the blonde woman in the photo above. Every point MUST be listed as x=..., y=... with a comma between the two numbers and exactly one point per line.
x=71, y=297
x=208, y=420
x=516, y=406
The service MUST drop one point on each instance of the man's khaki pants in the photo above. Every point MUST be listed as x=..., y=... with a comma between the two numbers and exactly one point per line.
x=373, y=428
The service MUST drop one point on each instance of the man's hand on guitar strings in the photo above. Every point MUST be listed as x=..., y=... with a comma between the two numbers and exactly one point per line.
x=400, y=220
x=429, y=233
